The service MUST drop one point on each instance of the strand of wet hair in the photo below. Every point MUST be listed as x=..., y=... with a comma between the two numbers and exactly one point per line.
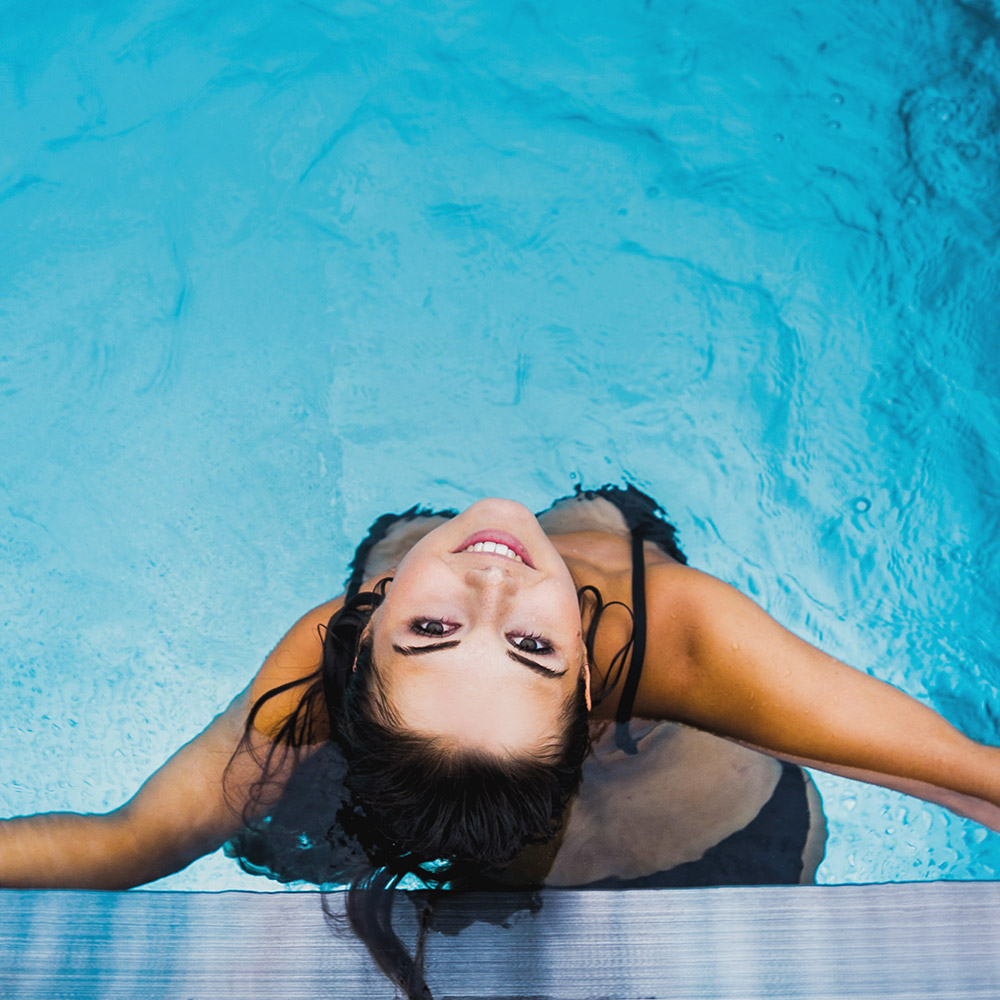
x=610, y=678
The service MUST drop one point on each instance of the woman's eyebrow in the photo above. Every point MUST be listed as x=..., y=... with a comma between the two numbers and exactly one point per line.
x=452, y=643
x=420, y=650
x=537, y=667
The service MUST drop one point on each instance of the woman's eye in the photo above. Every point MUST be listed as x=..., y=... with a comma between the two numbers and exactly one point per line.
x=433, y=627
x=535, y=644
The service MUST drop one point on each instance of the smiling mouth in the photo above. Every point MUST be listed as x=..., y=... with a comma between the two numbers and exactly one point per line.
x=497, y=543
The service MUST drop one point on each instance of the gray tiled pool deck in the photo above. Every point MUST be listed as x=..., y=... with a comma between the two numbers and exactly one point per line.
x=921, y=940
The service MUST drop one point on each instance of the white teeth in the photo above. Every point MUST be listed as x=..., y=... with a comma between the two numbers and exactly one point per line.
x=498, y=548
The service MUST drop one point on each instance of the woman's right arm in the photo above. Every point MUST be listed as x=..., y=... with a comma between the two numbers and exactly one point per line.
x=183, y=810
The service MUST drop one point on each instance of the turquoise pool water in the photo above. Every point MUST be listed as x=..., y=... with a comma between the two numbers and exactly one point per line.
x=270, y=269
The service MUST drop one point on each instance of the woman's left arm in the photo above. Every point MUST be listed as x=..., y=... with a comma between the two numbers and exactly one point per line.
x=746, y=677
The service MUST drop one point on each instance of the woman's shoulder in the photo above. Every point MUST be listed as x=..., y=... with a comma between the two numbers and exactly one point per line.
x=289, y=667
x=676, y=597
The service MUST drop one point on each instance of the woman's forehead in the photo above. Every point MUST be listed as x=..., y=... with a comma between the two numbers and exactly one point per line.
x=497, y=712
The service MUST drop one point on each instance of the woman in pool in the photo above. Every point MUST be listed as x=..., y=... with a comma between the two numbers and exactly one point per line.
x=441, y=710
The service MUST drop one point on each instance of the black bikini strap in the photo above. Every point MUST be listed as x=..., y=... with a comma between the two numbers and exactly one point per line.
x=623, y=737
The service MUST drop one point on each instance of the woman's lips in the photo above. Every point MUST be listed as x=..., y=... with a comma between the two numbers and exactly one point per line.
x=503, y=538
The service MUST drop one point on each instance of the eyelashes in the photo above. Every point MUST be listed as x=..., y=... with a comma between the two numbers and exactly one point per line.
x=433, y=628
x=524, y=642
x=537, y=645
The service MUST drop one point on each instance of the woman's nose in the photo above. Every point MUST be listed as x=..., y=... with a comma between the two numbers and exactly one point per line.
x=491, y=580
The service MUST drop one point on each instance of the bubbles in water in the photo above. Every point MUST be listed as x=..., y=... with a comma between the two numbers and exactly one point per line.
x=778, y=137
x=833, y=124
x=652, y=191
x=837, y=98
x=967, y=150
x=861, y=504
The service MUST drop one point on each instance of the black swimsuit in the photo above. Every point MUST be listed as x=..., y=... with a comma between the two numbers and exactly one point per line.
x=646, y=521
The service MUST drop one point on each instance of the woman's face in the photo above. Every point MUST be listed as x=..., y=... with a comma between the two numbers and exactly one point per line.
x=482, y=647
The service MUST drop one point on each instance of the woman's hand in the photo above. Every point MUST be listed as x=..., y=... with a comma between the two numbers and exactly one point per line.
x=745, y=677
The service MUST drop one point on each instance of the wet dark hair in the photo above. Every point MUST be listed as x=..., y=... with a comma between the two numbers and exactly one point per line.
x=394, y=803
